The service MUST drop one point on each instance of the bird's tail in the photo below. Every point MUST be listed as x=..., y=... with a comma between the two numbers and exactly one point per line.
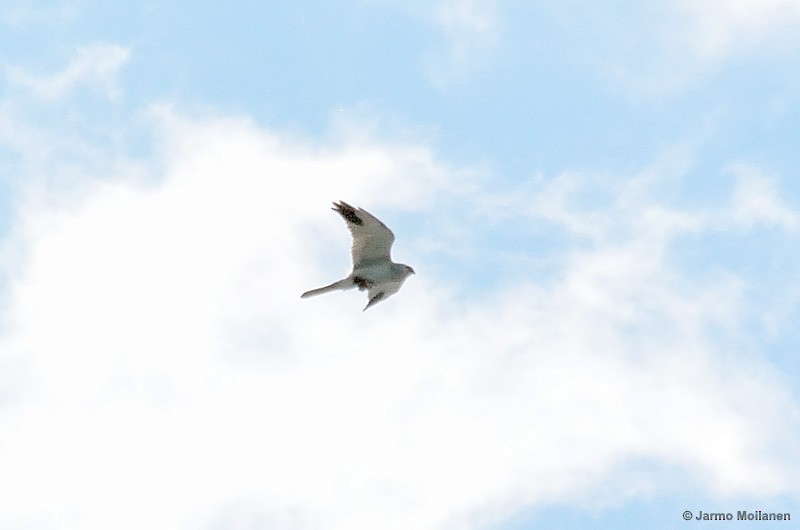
x=335, y=286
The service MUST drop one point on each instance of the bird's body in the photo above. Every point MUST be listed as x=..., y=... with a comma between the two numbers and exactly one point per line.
x=373, y=268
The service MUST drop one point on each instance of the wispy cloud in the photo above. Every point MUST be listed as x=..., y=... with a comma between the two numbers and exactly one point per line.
x=718, y=29
x=471, y=29
x=94, y=66
x=756, y=200
x=467, y=32
x=170, y=371
x=668, y=46
x=52, y=14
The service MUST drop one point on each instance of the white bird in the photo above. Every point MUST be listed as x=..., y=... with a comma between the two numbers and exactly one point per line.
x=373, y=268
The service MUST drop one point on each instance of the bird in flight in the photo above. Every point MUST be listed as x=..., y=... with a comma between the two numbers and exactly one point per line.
x=373, y=268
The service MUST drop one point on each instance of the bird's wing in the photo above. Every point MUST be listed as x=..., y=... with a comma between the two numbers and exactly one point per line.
x=381, y=291
x=372, y=240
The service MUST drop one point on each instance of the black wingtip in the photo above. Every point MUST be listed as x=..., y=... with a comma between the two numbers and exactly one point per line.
x=348, y=212
x=374, y=300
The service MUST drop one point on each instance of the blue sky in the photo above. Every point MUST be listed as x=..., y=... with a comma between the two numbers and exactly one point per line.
x=600, y=200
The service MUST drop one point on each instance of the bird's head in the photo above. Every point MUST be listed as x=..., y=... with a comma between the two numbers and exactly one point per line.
x=409, y=270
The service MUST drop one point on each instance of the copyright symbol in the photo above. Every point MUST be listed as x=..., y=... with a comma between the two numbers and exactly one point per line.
x=687, y=515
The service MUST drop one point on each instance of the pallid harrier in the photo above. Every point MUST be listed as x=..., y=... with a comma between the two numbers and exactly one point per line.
x=373, y=268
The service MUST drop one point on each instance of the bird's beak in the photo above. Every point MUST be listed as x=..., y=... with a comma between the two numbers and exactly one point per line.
x=412, y=271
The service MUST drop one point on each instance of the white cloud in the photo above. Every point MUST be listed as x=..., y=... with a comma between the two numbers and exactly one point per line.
x=169, y=376
x=662, y=48
x=718, y=29
x=471, y=28
x=470, y=31
x=53, y=14
x=94, y=66
x=756, y=200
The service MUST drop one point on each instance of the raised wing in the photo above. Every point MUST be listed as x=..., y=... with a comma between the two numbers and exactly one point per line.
x=372, y=240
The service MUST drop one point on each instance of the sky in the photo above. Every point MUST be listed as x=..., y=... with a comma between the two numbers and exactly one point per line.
x=600, y=200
